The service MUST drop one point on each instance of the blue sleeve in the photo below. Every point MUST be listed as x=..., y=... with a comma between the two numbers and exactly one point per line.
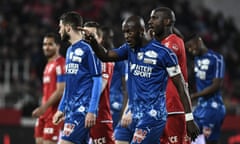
x=61, y=78
x=96, y=93
x=61, y=106
x=169, y=58
x=122, y=51
x=220, y=67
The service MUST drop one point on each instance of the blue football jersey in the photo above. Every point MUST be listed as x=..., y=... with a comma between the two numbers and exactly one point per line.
x=116, y=91
x=81, y=66
x=147, y=77
x=207, y=67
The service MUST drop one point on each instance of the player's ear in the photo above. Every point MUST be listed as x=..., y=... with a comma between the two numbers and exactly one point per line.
x=166, y=22
x=68, y=28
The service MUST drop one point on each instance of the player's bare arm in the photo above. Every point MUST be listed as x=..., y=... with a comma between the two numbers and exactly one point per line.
x=192, y=128
x=54, y=98
x=208, y=91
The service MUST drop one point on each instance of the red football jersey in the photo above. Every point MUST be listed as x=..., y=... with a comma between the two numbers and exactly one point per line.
x=53, y=73
x=173, y=101
x=104, y=114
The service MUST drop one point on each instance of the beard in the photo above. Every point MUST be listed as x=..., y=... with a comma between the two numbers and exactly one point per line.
x=65, y=37
x=49, y=54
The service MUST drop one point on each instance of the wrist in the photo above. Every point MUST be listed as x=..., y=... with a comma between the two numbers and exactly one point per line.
x=189, y=117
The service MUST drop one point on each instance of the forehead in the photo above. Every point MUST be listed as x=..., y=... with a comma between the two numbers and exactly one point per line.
x=91, y=29
x=156, y=13
x=130, y=25
x=48, y=40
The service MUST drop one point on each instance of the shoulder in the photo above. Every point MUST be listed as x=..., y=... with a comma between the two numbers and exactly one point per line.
x=174, y=42
x=215, y=55
x=61, y=59
x=160, y=48
x=81, y=47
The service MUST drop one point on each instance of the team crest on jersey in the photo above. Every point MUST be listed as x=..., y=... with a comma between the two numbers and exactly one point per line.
x=79, y=52
x=140, y=55
x=175, y=47
x=151, y=54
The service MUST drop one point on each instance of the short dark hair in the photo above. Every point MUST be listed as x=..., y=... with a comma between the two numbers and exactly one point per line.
x=191, y=36
x=96, y=25
x=168, y=13
x=55, y=36
x=72, y=18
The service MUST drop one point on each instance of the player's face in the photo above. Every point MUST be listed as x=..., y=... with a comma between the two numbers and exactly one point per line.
x=192, y=47
x=50, y=48
x=155, y=23
x=63, y=33
x=131, y=34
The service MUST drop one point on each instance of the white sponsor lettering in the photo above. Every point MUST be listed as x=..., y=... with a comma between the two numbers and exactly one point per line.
x=173, y=139
x=46, y=79
x=101, y=140
x=72, y=68
x=48, y=130
x=142, y=71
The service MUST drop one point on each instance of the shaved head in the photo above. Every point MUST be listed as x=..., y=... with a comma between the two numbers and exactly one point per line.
x=167, y=13
x=133, y=29
x=135, y=21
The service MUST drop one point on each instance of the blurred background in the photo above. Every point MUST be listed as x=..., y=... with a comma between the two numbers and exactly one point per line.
x=24, y=22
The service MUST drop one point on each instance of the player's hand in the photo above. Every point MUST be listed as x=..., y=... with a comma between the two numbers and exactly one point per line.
x=58, y=117
x=192, y=130
x=88, y=36
x=126, y=119
x=90, y=120
x=39, y=111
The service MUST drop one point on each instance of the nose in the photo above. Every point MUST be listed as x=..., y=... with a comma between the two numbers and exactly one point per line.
x=126, y=35
x=150, y=21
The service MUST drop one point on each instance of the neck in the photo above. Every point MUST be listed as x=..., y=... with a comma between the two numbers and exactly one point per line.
x=143, y=42
x=203, y=49
x=166, y=33
x=53, y=57
x=75, y=37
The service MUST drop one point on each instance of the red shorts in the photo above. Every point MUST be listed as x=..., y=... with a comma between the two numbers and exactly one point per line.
x=175, y=131
x=102, y=133
x=47, y=130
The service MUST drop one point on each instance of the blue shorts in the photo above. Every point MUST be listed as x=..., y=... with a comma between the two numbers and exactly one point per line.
x=211, y=119
x=144, y=131
x=74, y=130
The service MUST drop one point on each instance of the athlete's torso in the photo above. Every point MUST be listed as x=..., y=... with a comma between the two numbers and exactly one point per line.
x=173, y=101
x=53, y=72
